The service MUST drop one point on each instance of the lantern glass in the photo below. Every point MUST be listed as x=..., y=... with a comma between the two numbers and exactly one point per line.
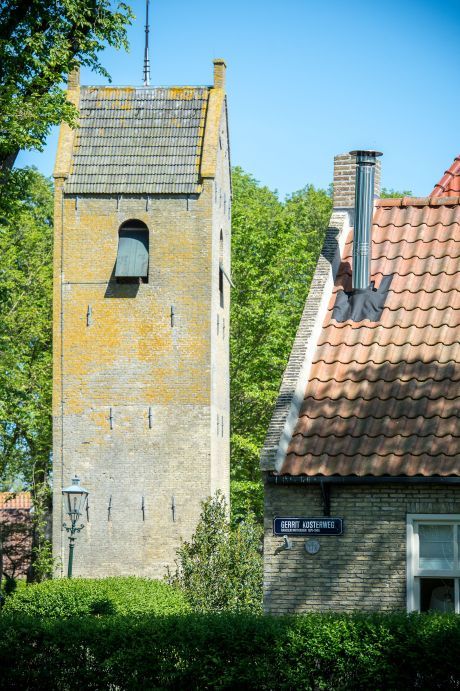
x=75, y=499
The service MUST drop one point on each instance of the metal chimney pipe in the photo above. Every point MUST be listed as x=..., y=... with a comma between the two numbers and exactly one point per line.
x=364, y=206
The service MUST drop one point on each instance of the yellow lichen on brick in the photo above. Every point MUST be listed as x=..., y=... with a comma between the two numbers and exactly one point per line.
x=140, y=373
x=181, y=93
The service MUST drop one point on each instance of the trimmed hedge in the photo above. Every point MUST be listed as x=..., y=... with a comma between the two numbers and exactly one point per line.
x=75, y=597
x=309, y=652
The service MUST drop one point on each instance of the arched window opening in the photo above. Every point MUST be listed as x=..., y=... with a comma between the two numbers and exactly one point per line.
x=133, y=253
x=221, y=269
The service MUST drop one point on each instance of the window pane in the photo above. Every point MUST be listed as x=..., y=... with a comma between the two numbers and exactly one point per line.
x=437, y=594
x=436, y=550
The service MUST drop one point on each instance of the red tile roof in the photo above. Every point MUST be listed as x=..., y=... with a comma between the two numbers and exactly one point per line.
x=18, y=500
x=449, y=184
x=383, y=398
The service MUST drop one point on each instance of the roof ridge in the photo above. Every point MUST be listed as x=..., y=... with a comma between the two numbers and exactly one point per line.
x=418, y=201
x=291, y=392
x=449, y=183
x=145, y=88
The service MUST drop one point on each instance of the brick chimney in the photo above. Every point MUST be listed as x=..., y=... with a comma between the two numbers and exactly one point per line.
x=344, y=181
x=73, y=80
x=219, y=73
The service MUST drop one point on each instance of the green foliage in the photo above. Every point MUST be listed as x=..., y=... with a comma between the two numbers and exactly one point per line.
x=26, y=206
x=10, y=584
x=40, y=43
x=44, y=562
x=309, y=652
x=246, y=497
x=394, y=194
x=26, y=213
x=76, y=597
x=275, y=247
x=220, y=569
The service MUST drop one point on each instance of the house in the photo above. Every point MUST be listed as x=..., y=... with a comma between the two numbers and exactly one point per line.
x=15, y=533
x=141, y=320
x=361, y=462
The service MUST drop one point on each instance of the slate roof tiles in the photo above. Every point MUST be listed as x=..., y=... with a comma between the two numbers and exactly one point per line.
x=384, y=398
x=138, y=141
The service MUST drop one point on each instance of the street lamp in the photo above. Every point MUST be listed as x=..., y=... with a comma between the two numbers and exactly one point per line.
x=74, y=499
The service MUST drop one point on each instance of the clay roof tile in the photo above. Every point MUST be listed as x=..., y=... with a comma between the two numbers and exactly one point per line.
x=449, y=184
x=15, y=500
x=384, y=398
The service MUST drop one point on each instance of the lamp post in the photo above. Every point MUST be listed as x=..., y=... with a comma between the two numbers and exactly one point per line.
x=74, y=499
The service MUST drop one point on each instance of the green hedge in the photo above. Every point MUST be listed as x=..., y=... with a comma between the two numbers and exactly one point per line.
x=310, y=652
x=66, y=597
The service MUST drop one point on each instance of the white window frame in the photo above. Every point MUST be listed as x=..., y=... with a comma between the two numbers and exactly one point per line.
x=414, y=573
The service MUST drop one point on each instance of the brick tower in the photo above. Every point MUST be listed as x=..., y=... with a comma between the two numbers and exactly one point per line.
x=141, y=319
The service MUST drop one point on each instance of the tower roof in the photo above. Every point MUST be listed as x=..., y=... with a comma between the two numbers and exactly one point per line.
x=145, y=140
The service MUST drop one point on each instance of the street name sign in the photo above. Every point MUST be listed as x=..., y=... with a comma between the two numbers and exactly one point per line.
x=302, y=526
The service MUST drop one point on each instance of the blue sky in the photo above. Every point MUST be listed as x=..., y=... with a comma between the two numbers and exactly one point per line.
x=307, y=80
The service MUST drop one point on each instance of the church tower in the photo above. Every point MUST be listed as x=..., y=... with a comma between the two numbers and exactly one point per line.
x=141, y=319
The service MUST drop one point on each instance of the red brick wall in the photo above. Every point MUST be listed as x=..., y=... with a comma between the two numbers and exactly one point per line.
x=16, y=541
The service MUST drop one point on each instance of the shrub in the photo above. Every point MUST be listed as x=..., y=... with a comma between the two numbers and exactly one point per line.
x=81, y=596
x=10, y=585
x=232, y=651
x=220, y=569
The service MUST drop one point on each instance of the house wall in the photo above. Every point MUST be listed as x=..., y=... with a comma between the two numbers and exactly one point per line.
x=129, y=358
x=15, y=542
x=365, y=568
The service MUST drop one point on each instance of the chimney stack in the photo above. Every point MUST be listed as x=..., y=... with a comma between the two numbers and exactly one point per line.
x=73, y=80
x=345, y=178
x=364, y=209
x=219, y=73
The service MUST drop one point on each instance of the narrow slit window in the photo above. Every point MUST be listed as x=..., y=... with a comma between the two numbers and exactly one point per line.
x=133, y=252
x=221, y=269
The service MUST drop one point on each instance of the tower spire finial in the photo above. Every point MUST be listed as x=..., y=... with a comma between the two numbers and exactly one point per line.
x=146, y=49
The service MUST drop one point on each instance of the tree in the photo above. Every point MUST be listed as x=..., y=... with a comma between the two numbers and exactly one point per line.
x=220, y=569
x=394, y=194
x=25, y=337
x=275, y=247
x=40, y=43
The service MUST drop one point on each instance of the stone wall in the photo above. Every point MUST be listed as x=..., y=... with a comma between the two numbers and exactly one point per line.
x=220, y=308
x=365, y=568
x=133, y=401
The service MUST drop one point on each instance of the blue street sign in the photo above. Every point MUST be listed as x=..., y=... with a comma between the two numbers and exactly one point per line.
x=300, y=525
